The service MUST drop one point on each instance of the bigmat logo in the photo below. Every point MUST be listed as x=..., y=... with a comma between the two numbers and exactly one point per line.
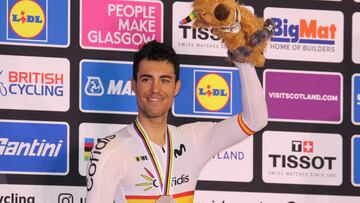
x=35, y=23
x=208, y=92
x=34, y=83
x=356, y=37
x=89, y=134
x=355, y=160
x=120, y=25
x=306, y=35
x=192, y=41
x=304, y=96
x=229, y=161
x=30, y=147
x=105, y=86
x=302, y=158
x=355, y=99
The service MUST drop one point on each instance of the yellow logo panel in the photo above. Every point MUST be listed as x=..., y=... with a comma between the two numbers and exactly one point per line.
x=212, y=92
x=27, y=18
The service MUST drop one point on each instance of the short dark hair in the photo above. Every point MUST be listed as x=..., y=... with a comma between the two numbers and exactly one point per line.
x=156, y=51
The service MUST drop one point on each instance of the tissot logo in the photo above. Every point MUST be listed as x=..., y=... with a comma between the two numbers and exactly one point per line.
x=304, y=155
x=303, y=146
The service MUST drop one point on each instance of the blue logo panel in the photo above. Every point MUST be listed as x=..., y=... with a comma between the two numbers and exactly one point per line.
x=34, y=148
x=356, y=160
x=356, y=99
x=106, y=87
x=35, y=23
x=208, y=92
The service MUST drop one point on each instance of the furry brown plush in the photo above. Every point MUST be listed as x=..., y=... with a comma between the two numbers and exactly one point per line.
x=245, y=35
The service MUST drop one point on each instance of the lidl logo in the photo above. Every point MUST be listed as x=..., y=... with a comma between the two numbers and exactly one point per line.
x=212, y=91
x=35, y=22
x=208, y=92
x=27, y=18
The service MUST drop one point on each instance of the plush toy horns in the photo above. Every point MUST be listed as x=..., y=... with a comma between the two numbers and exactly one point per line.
x=188, y=19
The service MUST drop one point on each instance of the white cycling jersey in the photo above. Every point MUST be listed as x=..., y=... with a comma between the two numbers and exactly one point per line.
x=120, y=168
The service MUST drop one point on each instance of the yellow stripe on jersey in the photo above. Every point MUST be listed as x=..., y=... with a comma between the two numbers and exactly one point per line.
x=186, y=197
x=243, y=126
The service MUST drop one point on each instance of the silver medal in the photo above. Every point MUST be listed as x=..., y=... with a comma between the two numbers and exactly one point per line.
x=166, y=199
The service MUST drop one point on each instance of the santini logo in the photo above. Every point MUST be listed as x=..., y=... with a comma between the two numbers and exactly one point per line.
x=35, y=148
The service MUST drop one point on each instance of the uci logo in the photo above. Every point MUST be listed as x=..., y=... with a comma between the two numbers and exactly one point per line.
x=212, y=92
x=27, y=18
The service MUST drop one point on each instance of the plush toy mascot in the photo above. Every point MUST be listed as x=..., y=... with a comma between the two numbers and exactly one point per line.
x=245, y=35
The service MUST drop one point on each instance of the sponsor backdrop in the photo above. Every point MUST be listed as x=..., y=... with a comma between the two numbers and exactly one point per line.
x=65, y=72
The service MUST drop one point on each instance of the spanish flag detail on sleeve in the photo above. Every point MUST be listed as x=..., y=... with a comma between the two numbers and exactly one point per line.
x=243, y=126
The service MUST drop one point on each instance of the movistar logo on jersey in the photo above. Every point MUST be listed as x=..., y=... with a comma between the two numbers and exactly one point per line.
x=106, y=87
x=27, y=19
x=34, y=147
x=210, y=92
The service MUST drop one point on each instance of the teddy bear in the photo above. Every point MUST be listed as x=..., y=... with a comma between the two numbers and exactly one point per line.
x=244, y=34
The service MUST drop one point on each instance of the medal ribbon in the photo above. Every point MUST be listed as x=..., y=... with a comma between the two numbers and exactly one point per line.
x=164, y=189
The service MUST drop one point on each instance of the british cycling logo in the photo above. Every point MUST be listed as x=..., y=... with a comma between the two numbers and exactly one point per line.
x=27, y=19
x=94, y=86
x=16, y=198
x=212, y=91
x=3, y=89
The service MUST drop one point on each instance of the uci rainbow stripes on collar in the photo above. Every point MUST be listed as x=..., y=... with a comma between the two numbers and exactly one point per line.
x=164, y=189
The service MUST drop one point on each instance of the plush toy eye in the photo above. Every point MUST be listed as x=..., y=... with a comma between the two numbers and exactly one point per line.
x=221, y=12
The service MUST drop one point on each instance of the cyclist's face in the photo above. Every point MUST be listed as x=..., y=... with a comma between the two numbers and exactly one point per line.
x=155, y=88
